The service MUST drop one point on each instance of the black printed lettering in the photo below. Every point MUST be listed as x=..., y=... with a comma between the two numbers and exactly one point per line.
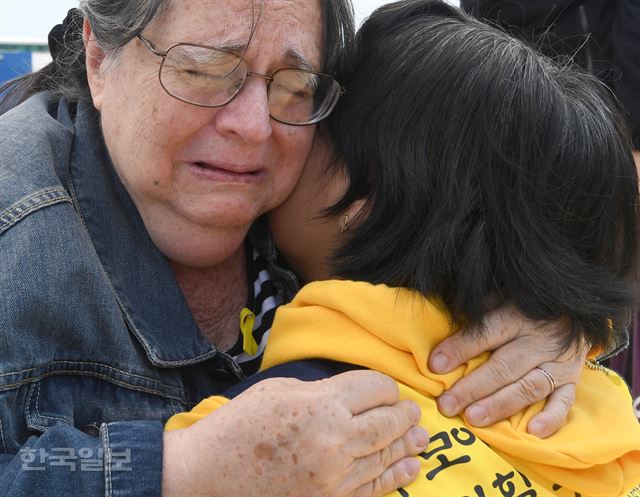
x=445, y=443
x=446, y=463
x=468, y=440
x=508, y=489
x=443, y=437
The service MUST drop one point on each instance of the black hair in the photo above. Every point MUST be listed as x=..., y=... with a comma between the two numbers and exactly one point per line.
x=116, y=22
x=491, y=174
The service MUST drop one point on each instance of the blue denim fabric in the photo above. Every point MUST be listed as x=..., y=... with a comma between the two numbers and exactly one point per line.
x=97, y=345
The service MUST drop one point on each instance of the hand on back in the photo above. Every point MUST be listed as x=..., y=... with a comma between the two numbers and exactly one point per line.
x=346, y=436
x=514, y=377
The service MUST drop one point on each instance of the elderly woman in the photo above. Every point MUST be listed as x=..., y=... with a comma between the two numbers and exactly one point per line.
x=136, y=279
x=128, y=189
x=531, y=189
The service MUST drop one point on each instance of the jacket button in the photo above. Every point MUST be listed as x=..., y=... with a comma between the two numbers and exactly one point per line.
x=91, y=429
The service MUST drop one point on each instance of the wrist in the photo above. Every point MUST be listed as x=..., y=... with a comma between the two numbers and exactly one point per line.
x=177, y=472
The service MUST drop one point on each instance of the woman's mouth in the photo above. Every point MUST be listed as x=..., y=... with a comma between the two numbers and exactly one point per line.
x=227, y=173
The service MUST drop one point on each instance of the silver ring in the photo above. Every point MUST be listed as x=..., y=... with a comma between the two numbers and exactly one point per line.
x=549, y=376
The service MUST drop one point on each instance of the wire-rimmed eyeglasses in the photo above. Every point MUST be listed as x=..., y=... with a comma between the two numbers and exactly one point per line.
x=211, y=77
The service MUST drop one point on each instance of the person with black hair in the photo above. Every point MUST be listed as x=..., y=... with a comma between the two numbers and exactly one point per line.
x=463, y=171
x=602, y=37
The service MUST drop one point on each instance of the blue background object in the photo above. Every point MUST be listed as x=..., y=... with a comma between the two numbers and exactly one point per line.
x=14, y=64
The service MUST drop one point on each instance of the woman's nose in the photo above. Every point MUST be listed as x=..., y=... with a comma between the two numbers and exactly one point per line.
x=247, y=115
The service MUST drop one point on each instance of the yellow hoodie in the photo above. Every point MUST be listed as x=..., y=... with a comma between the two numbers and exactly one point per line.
x=597, y=454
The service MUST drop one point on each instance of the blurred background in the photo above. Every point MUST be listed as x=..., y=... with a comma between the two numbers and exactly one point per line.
x=25, y=24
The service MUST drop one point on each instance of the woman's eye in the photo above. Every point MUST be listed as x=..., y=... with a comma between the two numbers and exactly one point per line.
x=301, y=94
x=198, y=74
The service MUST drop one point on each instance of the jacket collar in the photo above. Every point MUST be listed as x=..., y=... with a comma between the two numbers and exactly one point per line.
x=149, y=296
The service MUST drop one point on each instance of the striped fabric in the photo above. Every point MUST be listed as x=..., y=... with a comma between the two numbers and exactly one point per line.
x=264, y=299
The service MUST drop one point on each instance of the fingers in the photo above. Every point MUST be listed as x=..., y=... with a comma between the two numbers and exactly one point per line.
x=390, y=468
x=505, y=366
x=501, y=326
x=362, y=390
x=456, y=350
x=366, y=469
x=377, y=429
x=555, y=412
x=398, y=475
x=485, y=401
x=531, y=388
x=519, y=346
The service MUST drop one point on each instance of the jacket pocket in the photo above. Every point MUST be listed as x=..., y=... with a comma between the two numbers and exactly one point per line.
x=86, y=401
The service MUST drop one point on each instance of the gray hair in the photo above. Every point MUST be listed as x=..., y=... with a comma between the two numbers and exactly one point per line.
x=115, y=23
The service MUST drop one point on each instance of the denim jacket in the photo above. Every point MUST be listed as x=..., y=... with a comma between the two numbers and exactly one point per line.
x=98, y=346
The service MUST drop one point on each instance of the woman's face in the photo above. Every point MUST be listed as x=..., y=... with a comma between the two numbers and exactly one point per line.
x=303, y=235
x=201, y=176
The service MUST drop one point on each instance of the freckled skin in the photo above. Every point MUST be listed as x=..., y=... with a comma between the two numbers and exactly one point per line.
x=293, y=428
x=311, y=456
x=264, y=451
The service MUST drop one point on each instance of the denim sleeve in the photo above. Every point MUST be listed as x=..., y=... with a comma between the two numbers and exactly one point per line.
x=125, y=460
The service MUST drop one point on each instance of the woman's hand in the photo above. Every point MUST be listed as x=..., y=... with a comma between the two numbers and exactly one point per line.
x=512, y=378
x=347, y=436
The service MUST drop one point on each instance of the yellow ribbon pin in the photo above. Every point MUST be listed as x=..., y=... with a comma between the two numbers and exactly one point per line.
x=247, y=320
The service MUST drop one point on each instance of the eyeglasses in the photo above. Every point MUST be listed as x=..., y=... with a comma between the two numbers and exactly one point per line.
x=212, y=77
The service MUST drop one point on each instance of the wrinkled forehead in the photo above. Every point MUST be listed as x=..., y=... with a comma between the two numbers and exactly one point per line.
x=286, y=28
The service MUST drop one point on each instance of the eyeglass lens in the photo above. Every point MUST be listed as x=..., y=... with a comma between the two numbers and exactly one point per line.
x=210, y=77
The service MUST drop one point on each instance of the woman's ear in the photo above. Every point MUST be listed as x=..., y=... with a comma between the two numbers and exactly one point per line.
x=94, y=60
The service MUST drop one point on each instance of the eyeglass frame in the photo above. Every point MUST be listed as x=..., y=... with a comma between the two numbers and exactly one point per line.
x=155, y=51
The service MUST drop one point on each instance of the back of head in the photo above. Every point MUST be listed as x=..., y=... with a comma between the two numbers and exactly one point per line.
x=491, y=174
x=115, y=23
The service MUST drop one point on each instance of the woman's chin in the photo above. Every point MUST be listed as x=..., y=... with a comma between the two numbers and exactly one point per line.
x=200, y=253
x=198, y=240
